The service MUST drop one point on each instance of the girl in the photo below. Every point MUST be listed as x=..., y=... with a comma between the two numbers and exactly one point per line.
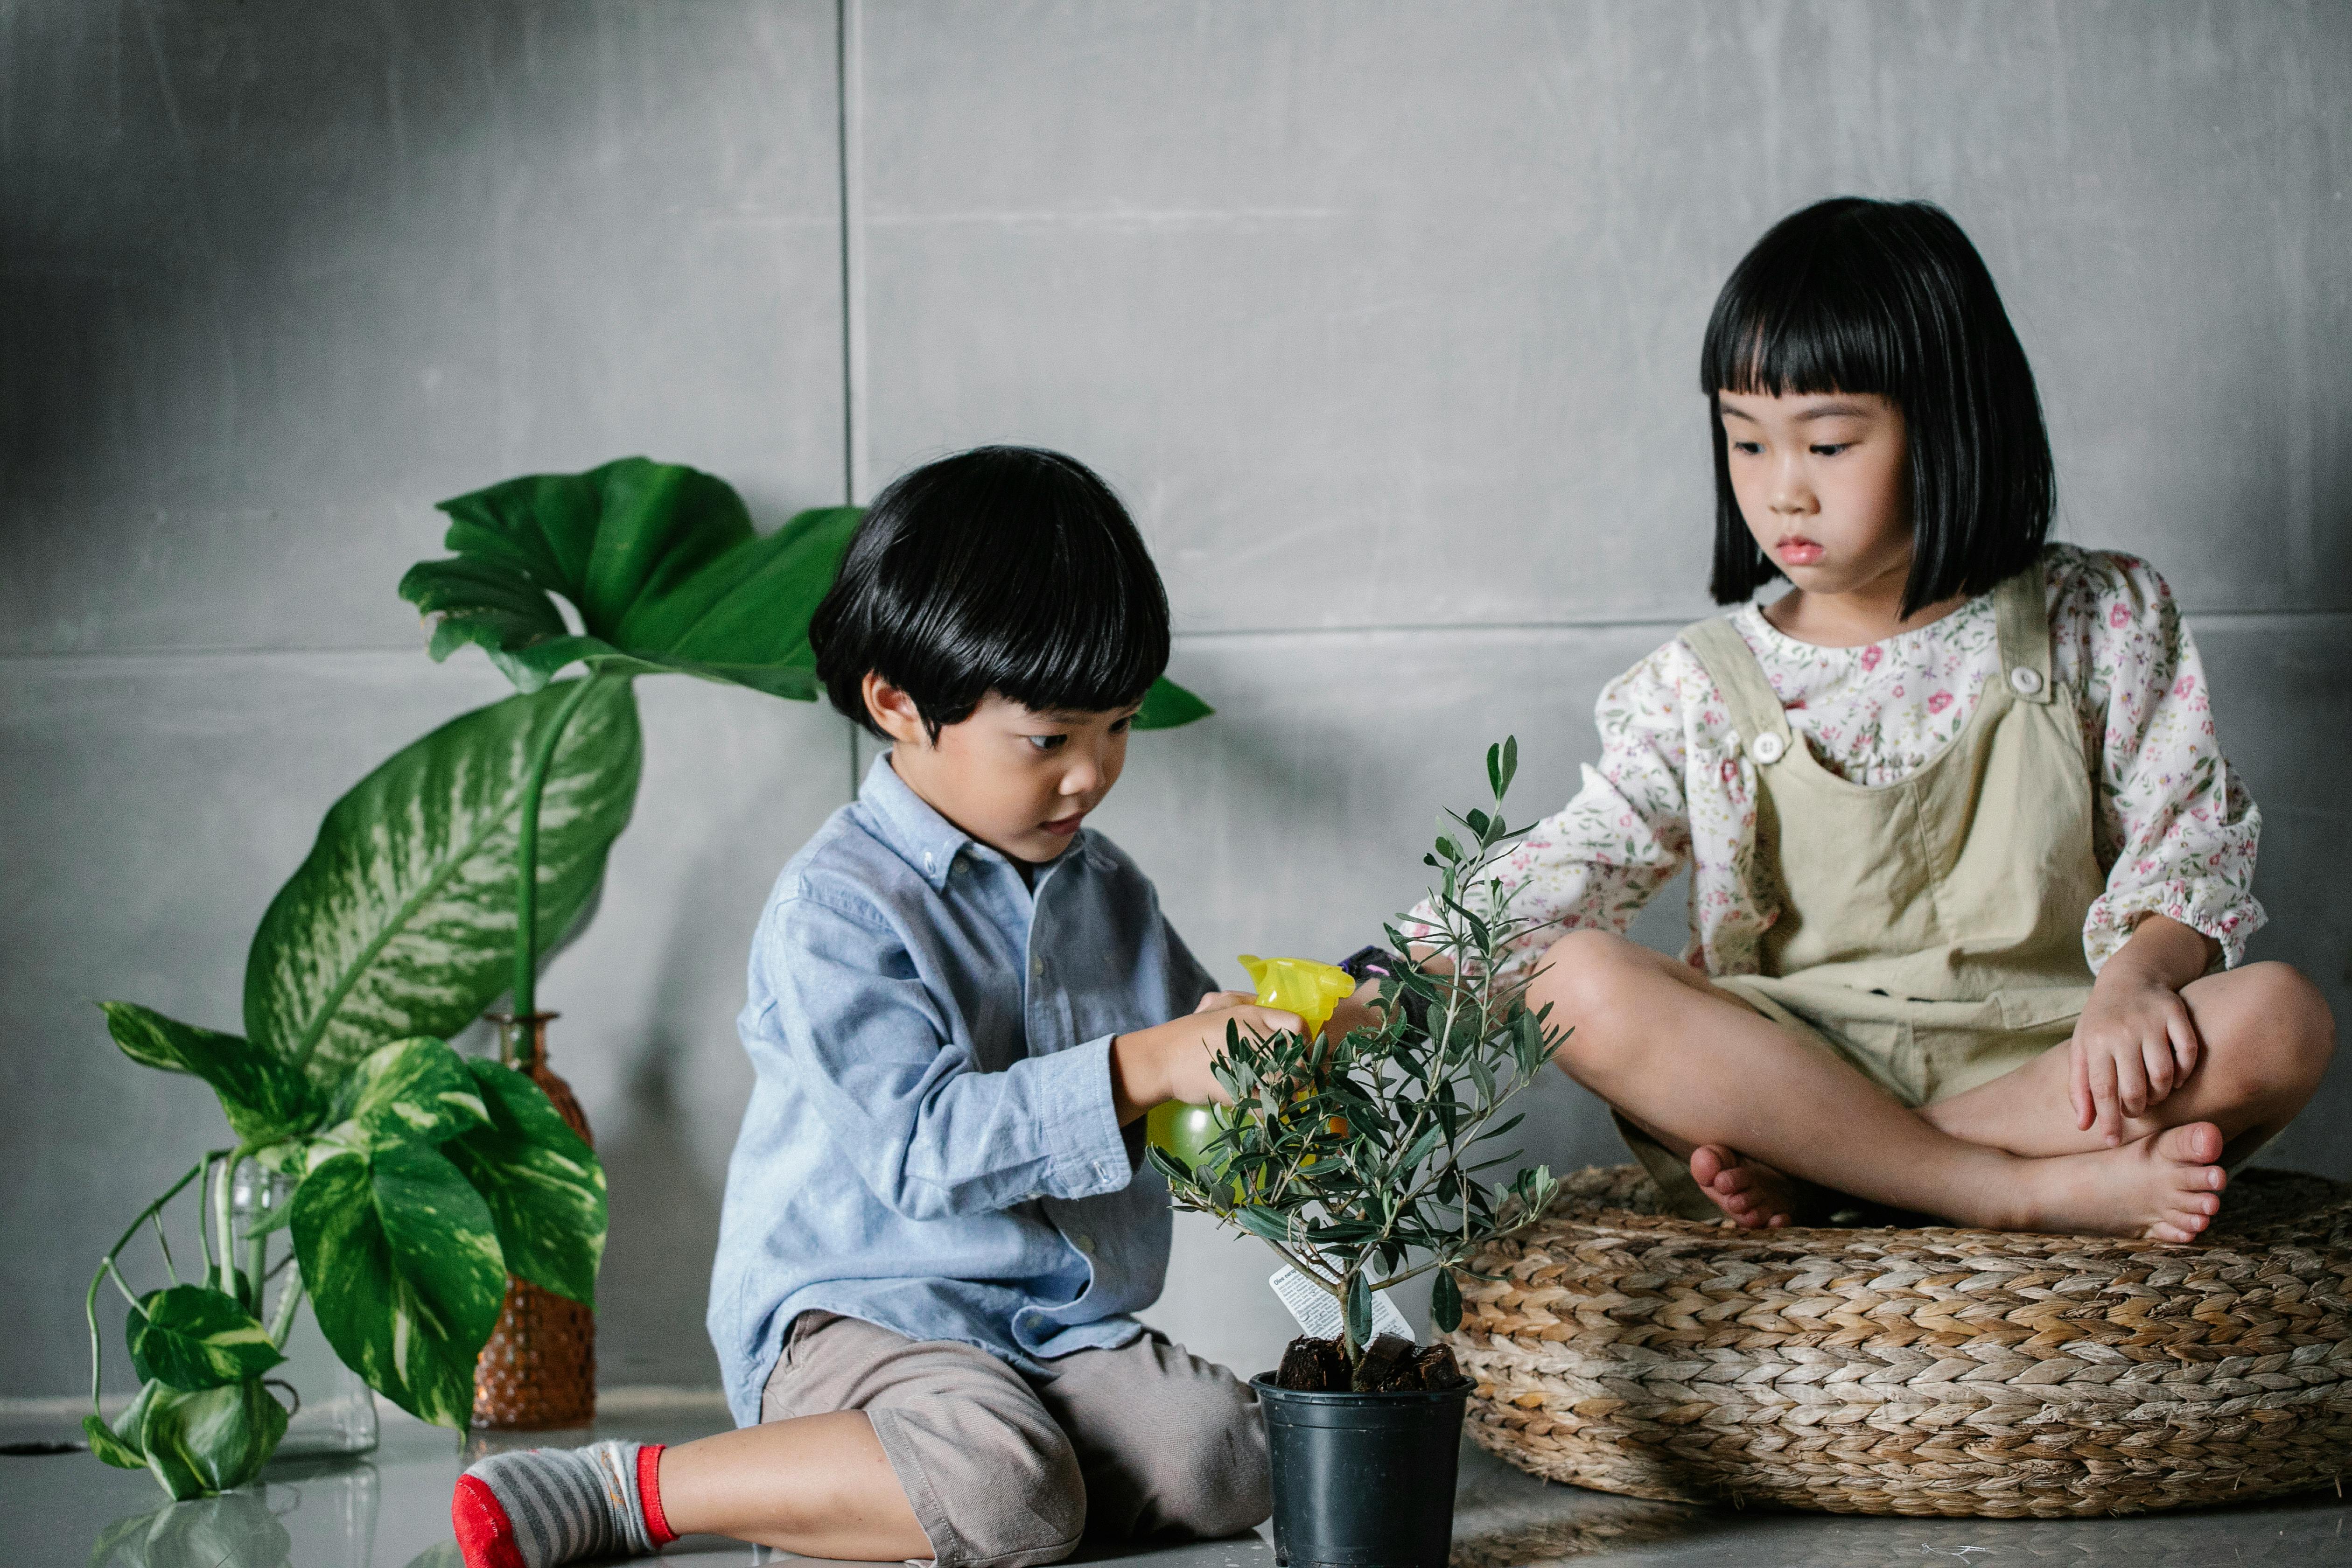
x=1970, y=874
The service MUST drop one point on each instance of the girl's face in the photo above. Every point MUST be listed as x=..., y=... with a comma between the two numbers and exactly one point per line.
x=1821, y=483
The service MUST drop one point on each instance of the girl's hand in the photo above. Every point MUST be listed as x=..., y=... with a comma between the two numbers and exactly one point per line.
x=2135, y=1045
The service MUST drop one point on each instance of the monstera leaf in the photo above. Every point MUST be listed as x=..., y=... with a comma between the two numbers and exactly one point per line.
x=659, y=561
x=402, y=921
x=664, y=572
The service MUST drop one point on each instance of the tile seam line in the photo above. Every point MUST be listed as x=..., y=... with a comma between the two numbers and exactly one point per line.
x=1211, y=634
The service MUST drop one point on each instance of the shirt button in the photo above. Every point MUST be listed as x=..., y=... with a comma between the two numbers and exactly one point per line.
x=1766, y=748
x=1083, y=1242
x=2026, y=681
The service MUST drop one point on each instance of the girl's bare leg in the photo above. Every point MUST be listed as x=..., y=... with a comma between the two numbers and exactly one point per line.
x=817, y=1485
x=1677, y=1054
x=2266, y=1037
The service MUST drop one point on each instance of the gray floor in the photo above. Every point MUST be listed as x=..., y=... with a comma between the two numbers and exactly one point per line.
x=391, y=1511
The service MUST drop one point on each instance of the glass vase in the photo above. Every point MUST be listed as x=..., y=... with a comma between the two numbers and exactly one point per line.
x=333, y=1410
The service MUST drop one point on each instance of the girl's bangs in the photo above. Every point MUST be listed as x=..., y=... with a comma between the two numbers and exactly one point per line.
x=1811, y=334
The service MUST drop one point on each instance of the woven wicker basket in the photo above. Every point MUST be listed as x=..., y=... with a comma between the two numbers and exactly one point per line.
x=1919, y=1372
x=538, y=1370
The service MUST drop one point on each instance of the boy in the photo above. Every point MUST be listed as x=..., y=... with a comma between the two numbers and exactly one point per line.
x=937, y=1226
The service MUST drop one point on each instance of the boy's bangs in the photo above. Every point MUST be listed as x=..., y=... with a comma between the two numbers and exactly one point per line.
x=1088, y=637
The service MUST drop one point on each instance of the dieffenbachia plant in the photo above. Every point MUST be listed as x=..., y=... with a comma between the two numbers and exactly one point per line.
x=664, y=572
x=1358, y=1159
x=422, y=1180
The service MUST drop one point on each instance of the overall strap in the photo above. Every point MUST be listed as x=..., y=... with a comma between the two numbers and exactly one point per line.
x=2021, y=609
x=1755, y=711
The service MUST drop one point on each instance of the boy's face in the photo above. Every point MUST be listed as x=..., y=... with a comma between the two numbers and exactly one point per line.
x=1018, y=781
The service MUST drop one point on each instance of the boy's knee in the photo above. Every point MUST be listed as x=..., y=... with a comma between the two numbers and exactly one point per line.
x=1036, y=1511
x=1213, y=1479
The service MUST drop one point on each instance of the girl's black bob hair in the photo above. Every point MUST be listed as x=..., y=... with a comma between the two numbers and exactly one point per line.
x=1860, y=296
x=1005, y=569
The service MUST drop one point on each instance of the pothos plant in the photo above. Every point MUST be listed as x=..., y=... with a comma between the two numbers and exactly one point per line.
x=420, y=1179
x=1359, y=1159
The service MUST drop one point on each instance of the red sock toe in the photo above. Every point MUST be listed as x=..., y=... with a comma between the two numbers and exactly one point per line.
x=484, y=1534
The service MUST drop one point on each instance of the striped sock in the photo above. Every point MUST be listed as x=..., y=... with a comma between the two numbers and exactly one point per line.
x=545, y=1506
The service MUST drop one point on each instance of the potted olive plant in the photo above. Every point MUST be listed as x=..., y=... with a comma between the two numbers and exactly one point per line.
x=1357, y=1161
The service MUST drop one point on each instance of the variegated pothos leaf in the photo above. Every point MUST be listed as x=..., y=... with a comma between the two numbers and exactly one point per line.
x=405, y=1273
x=401, y=922
x=415, y=1091
x=192, y=1337
x=544, y=1184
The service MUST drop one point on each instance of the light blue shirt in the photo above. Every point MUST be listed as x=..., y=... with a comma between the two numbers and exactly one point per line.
x=930, y=1143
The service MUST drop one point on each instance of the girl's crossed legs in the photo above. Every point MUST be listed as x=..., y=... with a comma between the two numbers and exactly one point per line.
x=1719, y=1084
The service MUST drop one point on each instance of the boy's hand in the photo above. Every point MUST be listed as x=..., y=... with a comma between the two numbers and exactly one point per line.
x=1170, y=1060
x=2136, y=1042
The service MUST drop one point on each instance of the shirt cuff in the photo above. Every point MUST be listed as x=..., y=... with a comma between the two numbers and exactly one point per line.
x=1077, y=1100
x=2227, y=913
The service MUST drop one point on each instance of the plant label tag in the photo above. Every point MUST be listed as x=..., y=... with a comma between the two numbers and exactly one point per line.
x=1318, y=1313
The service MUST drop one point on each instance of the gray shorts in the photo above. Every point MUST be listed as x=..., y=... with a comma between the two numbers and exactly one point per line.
x=1143, y=1443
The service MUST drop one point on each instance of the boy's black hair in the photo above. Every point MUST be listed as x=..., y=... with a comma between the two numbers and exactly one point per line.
x=1854, y=295
x=1005, y=569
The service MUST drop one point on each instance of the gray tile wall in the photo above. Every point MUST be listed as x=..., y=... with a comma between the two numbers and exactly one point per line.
x=1383, y=316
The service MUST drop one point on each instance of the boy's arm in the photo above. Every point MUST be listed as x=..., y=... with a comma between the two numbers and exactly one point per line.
x=929, y=1133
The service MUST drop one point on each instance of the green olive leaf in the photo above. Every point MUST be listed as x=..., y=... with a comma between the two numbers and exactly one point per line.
x=544, y=1184
x=403, y=1264
x=192, y=1337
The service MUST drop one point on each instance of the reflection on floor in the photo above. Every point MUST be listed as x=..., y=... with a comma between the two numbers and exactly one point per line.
x=392, y=1510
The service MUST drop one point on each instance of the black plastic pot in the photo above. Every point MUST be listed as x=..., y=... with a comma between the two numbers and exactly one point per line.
x=1362, y=1481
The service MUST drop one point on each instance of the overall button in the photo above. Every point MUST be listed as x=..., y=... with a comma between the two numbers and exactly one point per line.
x=1766, y=748
x=2026, y=681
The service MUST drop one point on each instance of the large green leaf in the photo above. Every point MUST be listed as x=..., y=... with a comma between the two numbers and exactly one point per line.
x=665, y=573
x=206, y=1442
x=401, y=922
x=264, y=1099
x=415, y=1091
x=660, y=562
x=192, y=1337
x=542, y=1181
x=405, y=1273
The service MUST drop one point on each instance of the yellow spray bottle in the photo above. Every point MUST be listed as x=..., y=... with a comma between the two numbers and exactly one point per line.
x=1299, y=986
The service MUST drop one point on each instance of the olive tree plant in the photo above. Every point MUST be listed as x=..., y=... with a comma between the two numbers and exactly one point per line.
x=1360, y=1160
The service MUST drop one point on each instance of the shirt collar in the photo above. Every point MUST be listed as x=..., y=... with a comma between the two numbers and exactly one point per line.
x=906, y=823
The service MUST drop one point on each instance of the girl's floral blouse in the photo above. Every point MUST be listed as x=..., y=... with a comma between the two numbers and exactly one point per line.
x=2174, y=828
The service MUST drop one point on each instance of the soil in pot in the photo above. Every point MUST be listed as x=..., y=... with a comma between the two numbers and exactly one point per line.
x=1363, y=1462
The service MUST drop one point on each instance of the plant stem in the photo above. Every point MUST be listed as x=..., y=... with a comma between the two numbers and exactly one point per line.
x=226, y=1282
x=526, y=965
x=204, y=1236
x=282, y=1323
x=89, y=1301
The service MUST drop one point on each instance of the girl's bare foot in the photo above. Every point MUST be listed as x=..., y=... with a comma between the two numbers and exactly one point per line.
x=1751, y=1193
x=2166, y=1187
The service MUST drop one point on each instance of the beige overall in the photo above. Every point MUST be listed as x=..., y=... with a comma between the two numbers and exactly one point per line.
x=1929, y=931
